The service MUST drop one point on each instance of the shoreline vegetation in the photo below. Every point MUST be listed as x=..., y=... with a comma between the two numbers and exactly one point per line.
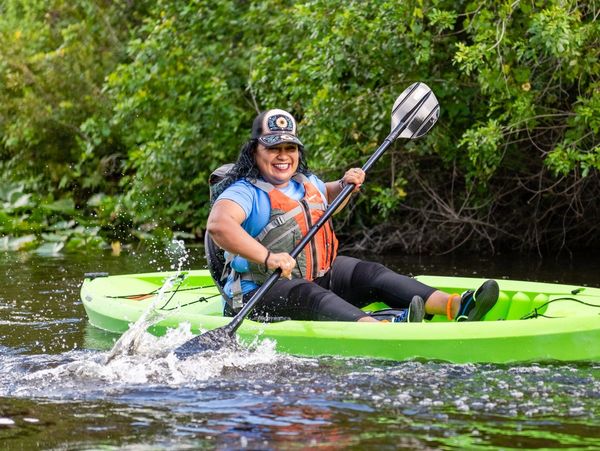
x=113, y=114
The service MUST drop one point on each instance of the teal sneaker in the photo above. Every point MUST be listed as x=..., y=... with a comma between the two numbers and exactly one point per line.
x=475, y=305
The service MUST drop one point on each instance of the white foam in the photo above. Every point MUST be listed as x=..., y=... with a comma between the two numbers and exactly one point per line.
x=154, y=363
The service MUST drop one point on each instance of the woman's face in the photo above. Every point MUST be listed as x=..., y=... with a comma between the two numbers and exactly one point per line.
x=277, y=164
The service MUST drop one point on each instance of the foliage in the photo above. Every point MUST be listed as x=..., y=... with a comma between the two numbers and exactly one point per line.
x=180, y=105
x=54, y=57
x=537, y=69
x=125, y=108
x=43, y=224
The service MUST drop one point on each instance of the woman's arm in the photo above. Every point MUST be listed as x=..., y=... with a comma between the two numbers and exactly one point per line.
x=224, y=226
x=354, y=175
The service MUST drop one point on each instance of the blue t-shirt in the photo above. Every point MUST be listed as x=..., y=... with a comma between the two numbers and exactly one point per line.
x=257, y=207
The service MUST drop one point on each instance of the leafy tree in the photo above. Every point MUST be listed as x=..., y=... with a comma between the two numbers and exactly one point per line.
x=54, y=56
x=180, y=108
x=135, y=105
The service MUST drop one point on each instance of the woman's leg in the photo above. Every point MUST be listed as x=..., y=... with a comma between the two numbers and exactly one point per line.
x=437, y=304
x=300, y=299
x=362, y=282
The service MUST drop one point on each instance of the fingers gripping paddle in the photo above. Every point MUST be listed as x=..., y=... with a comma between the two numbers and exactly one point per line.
x=415, y=111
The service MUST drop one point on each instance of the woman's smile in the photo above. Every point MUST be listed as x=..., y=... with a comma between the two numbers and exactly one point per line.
x=282, y=166
x=277, y=164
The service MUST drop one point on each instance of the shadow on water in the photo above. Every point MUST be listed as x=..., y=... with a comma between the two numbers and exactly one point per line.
x=56, y=391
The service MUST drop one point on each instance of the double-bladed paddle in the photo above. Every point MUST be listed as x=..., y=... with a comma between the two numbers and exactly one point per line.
x=415, y=111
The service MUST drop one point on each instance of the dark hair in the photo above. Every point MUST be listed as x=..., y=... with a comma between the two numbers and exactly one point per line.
x=245, y=167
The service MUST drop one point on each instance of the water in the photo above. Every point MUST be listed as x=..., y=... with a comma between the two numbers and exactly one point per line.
x=129, y=343
x=58, y=392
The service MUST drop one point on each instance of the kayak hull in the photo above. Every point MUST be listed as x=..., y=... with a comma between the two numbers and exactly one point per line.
x=569, y=329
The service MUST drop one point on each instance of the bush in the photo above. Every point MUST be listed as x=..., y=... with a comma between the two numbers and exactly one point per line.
x=55, y=57
x=139, y=104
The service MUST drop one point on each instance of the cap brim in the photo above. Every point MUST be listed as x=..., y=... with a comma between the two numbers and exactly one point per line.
x=279, y=138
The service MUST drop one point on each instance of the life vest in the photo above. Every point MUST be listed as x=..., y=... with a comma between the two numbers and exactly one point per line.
x=289, y=222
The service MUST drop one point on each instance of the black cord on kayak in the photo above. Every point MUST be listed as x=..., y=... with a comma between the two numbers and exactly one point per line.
x=94, y=275
x=536, y=311
x=177, y=289
x=152, y=293
x=200, y=299
x=174, y=292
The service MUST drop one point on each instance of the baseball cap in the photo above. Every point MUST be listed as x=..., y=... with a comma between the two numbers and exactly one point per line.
x=275, y=127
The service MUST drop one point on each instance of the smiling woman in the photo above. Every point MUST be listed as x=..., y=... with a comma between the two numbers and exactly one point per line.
x=269, y=201
x=277, y=164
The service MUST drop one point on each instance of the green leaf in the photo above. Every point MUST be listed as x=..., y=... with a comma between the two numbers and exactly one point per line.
x=66, y=206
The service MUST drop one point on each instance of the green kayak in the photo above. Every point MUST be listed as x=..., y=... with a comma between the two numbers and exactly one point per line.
x=531, y=322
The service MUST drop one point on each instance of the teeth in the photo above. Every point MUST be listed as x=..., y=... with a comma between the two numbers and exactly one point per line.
x=281, y=166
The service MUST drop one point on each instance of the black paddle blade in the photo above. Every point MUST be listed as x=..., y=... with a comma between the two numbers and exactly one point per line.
x=213, y=340
x=419, y=122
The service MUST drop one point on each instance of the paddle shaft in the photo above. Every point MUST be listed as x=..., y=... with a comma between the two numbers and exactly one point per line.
x=337, y=202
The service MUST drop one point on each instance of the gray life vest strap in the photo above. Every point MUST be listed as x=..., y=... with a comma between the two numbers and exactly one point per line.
x=282, y=219
x=278, y=221
x=237, y=301
x=236, y=285
x=237, y=298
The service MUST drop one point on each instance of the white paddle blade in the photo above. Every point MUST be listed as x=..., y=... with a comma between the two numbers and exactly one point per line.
x=418, y=119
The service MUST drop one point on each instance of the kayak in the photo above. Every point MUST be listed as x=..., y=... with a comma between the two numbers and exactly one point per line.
x=531, y=321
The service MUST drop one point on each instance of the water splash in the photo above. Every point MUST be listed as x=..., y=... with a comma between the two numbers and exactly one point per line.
x=87, y=374
x=129, y=342
x=137, y=358
x=178, y=254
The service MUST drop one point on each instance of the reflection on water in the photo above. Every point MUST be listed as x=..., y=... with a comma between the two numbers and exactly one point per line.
x=56, y=389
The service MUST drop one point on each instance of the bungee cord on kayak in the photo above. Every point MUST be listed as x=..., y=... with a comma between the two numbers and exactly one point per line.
x=536, y=312
x=141, y=296
x=178, y=306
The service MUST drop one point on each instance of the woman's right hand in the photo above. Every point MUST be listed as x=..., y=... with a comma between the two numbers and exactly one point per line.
x=284, y=261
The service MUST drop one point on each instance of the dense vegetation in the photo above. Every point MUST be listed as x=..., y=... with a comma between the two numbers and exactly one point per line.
x=112, y=115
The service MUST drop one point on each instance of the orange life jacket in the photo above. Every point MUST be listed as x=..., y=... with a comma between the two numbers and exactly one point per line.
x=289, y=222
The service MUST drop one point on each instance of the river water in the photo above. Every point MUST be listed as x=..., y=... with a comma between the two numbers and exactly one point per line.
x=56, y=392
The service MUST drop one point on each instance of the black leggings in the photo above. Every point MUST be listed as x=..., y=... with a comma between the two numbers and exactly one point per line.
x=339, y=295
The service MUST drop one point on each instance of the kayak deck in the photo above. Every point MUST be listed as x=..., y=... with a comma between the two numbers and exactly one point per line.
x=567, y=327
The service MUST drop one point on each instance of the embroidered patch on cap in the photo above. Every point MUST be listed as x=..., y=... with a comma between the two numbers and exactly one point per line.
x=280, y=123
x=275, y=126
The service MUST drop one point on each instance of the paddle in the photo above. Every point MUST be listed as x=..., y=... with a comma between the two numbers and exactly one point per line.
x=414, y=113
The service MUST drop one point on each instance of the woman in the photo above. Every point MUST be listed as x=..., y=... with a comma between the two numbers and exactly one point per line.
x=267, y=203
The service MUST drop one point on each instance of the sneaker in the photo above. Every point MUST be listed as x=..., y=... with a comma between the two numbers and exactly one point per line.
x=415, y=312
x=474, y=305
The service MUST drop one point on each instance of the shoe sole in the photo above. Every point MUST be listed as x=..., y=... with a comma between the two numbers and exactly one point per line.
x=485, y=298
x=416, y=310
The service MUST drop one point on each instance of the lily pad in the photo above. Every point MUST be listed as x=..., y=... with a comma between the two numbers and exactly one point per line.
x=21, y=242
x=50, y=248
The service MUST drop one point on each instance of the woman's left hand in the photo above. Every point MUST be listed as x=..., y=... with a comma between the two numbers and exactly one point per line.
x=356, y=176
